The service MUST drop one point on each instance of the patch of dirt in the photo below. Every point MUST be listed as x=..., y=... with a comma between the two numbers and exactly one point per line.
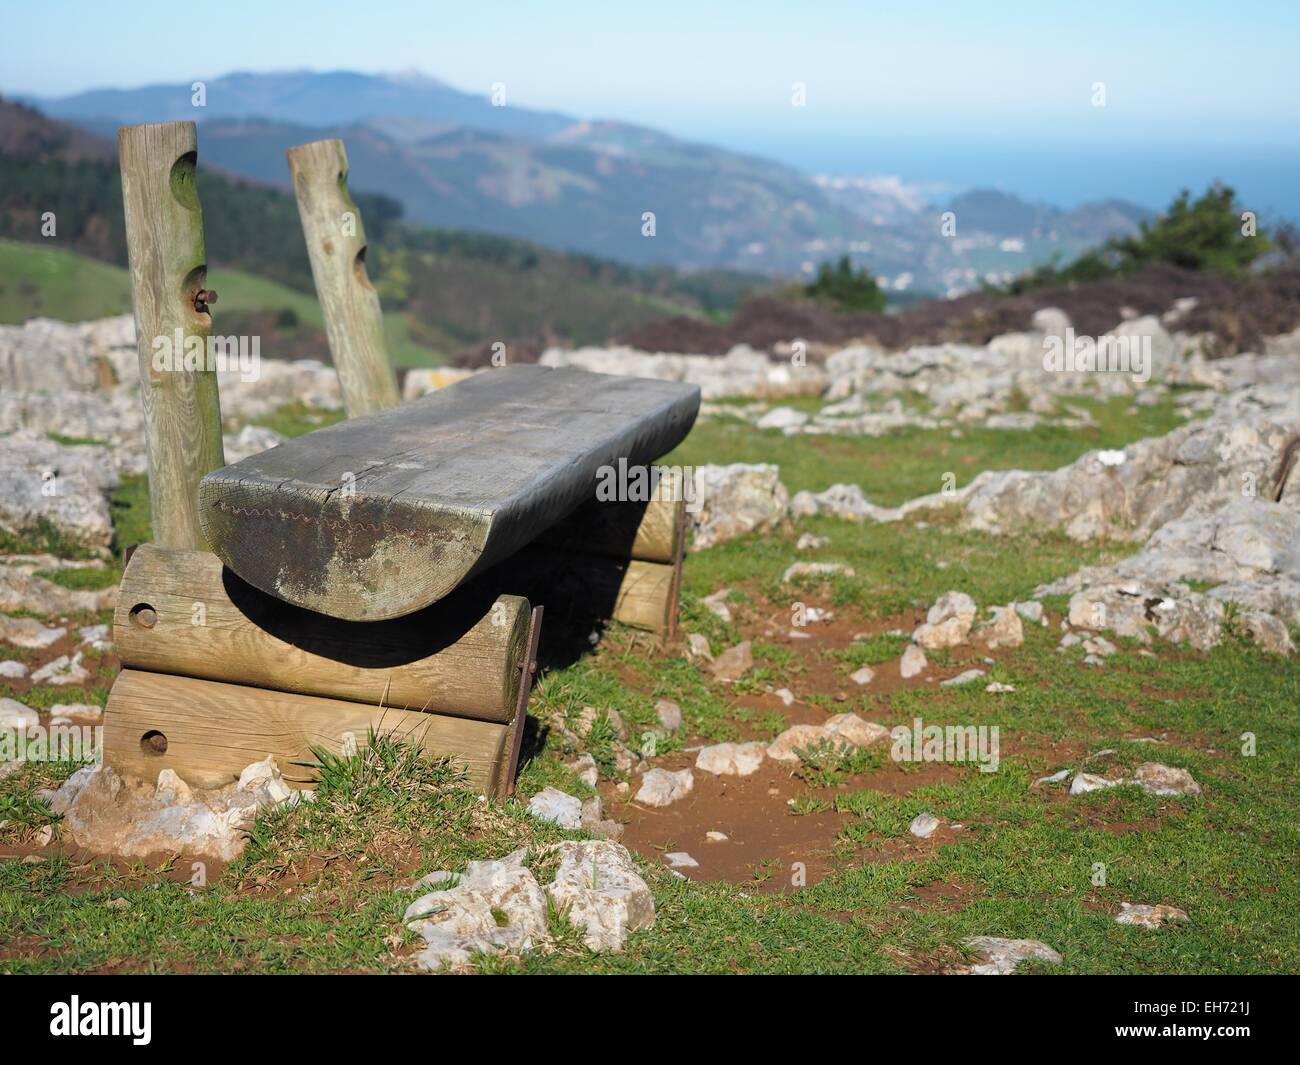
x=764, y=836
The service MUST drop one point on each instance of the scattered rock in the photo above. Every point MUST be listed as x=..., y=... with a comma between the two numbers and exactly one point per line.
x=14, y=717
x=11, y=669
x=714, y=836
x=862, y=676
x=733, y=663
x=730, y=759
x=716, y=604
x=599, y=888
x=1031, y=611
x=107, y=815
x=999, y=957
x=681, y=860
x=585, y=769
x=913, y=661
x=923, y=825
x=1058, y=777
x=1003, y=629
x=732, y=501
x=798, y=570
x=1158, y=779
x=558, y=807
x=659, y=787
x=697, y=648
x=62, y=671
x=28, y=632
x=962, y=678
x=1091, y=782
x=996, y=687
x=493, y=907
x=669, y=714
x=1150, y=917
x=811, y=542
x=948, y=622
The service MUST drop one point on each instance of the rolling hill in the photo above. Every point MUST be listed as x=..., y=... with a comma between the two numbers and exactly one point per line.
x=454, y=160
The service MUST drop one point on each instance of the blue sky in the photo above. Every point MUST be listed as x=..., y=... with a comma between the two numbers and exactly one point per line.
x=882, y=79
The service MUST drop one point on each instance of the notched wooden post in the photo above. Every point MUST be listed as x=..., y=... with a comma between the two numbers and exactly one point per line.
x=336, y=244
x=168, y=264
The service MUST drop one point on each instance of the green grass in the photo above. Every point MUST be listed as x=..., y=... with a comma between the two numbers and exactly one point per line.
x=318, y=888
x=913, y=462
x=52, y=282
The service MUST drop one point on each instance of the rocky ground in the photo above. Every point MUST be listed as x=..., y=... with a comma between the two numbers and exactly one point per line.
x=1089, y=586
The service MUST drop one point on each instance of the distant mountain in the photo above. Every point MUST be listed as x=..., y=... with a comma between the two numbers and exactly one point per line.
x=309, y=99
x=442, y=290
x=453, y=159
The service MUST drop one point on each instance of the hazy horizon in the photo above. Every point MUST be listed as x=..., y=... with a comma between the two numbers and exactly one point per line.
x=938, y=95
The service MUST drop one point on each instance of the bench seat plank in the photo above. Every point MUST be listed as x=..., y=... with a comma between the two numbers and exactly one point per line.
x=380, y=516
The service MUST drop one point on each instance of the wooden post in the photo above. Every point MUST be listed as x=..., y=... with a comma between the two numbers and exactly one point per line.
x=336, y=244
x=164, y=240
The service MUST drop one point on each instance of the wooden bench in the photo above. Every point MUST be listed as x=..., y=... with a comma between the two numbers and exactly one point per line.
x=383, y=515
x=386, y=574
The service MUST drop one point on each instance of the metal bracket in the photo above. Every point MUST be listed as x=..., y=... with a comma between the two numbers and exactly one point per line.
x=515, y=738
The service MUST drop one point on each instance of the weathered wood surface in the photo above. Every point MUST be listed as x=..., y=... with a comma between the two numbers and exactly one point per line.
x=182, y=612
x=213, y=730
x=336, y=245
x=649, y=531
x=168, y=267
x=379, y=516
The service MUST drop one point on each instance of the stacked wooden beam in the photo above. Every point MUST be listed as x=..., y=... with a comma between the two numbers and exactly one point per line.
x=380, y=575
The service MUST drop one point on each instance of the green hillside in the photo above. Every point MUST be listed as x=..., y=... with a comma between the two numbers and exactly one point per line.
x=48, y=282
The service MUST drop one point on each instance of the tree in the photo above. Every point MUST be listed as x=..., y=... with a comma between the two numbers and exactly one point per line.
x=846, y=289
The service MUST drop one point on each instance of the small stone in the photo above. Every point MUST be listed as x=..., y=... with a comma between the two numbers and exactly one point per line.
x=948, y=622
x=862, y=676
x=681, y=860
x=29, y=633
x=1093, y=660
x=785, y=695
x=171, y=790
x=782, y=749
x=733, y=663
x=1099, y=645
x=731, y=759
x=1003, y=629
x=999, y=957
x=1157, y=779
x=962, y=678
x=584, y=768
x=659, y=787
x=558, y=807
x=44, y=837
x=923, y=825
x=14, y=717
x=95, y=636
x=912, y=662
x=669, y=714
x=697, y=648
x=854, y=731
x=816, y=569
x=1150, y=917
x=811, y=542
x=1058, y=777
x=998, y=688
x=1031, y=611
x=76, y=714
x=714, y=836
x=10, y=669
x=599, y=888
x=716, y=604
x=62, y=671
x=117, y=904
x=1090, y=782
